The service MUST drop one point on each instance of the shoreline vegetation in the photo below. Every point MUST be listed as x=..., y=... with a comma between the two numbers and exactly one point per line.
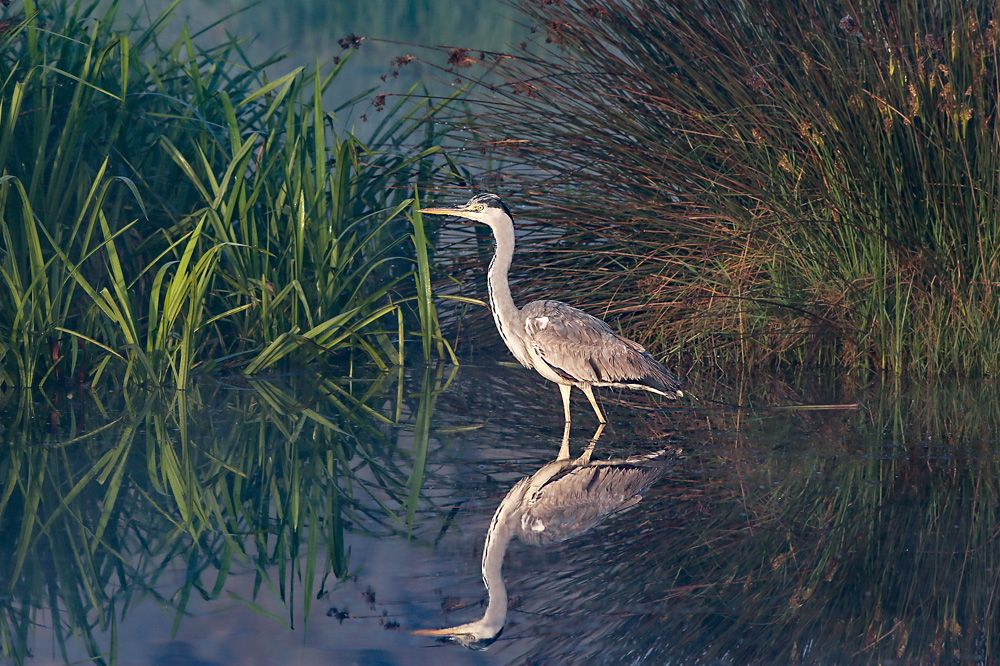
x=165, y=209
x=759, y=185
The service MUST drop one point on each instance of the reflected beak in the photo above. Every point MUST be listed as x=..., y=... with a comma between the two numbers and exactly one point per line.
x=457, y=212
x=468, y=635
x=441, y=633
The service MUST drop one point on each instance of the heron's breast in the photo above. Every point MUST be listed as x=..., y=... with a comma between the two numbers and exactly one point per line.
x=542, y=366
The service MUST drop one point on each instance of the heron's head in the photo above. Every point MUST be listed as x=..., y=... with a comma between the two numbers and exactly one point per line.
x=474, y=636
x=483, y=208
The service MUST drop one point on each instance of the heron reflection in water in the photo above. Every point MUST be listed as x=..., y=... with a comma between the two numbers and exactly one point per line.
x=563, y=499
x=563, y=344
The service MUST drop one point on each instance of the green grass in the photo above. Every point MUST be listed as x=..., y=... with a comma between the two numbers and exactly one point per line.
x=167, y=209
x=762, y=183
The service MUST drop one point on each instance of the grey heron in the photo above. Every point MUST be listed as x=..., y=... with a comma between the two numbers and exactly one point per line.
x=563, y=344
x=563, y=499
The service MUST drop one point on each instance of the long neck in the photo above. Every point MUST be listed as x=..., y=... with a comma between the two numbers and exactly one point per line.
x=493, y=554
x=498, y=537
x=505, y=312
x=501, y=531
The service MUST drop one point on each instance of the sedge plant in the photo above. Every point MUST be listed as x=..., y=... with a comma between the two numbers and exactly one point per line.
x=765, y=183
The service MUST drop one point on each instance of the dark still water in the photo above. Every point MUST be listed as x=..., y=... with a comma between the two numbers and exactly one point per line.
x=312, y=521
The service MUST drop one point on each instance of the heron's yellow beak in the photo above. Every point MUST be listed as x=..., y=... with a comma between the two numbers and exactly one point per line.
x=457, y=212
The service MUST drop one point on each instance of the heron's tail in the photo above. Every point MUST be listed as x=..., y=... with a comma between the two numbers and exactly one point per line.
x=659, y=380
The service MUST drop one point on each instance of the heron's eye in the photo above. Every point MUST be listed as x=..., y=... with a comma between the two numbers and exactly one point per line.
x=481, y=207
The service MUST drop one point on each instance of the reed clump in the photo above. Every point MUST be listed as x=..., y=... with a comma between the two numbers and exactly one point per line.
x=768, y=182
x=164, y=209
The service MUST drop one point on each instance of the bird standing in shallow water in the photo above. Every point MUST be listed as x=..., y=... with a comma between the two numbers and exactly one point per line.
x=563, y=344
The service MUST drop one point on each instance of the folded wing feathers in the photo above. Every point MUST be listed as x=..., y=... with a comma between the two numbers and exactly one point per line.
x=586, y=348
x=579, y=499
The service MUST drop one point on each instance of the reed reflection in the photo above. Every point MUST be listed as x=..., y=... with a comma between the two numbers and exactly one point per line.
x=563, y=499
x=178, y=496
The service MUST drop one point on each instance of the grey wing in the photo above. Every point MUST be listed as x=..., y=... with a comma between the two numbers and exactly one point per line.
x=577, y=501
x=583, y=348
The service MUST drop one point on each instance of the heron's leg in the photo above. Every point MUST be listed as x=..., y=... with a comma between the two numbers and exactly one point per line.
x=564, y=389
x=564, y=447
x=588, y=390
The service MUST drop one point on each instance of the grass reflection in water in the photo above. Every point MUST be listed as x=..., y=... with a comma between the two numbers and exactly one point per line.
x=104, y=495
x=865, y=537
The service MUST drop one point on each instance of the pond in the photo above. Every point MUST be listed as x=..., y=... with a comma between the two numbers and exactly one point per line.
x=306, y=520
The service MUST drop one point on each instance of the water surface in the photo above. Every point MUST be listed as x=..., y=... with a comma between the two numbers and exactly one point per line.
x=310, y=31
x=311, y=521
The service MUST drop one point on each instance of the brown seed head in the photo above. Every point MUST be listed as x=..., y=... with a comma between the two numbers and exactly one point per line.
x=351, y=41
x=555, y=31
x=460, y=58
x=850, y=25
x=933, y=42
x=756, y=82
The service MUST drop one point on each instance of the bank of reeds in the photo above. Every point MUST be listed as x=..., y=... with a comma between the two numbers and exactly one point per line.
x=166, y=207
x=766, y=182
